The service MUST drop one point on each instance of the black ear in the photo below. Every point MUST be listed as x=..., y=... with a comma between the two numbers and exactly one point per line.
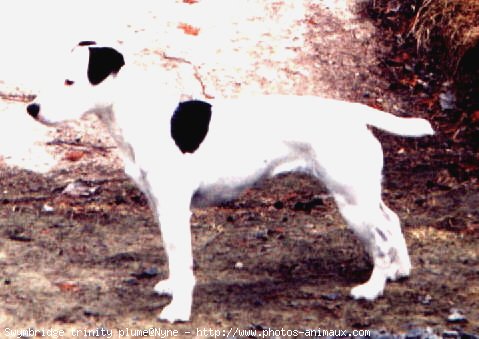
x=103, y=62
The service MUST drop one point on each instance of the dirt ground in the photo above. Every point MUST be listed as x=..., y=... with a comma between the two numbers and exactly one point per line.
x=279, y=256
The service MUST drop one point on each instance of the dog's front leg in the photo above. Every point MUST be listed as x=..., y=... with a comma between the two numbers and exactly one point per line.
x=174, y=214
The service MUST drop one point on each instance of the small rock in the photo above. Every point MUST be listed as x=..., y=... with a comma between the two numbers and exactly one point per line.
x=120, y=199
x=258, y=302
x=91, y=313
x=239, y=265
x=447, y=100
x=146, y=273
x=421, y=333
x=152, y=271
x=426, y=300
x=456, y=316
x=59, y=225
x=450, y=334
x=66, y=316
x=331, y=296
x=47, y=208
x=18, y=234
x=293, y=303
x=278, y=205
x=308, y=205
x=131, y=281
x=79, y=189
x=301, y=206
x=261, y=235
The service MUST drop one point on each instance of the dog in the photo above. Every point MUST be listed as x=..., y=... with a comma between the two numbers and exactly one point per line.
x=174, y=149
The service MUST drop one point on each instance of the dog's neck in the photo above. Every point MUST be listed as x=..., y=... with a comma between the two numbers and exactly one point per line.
x=107, y=117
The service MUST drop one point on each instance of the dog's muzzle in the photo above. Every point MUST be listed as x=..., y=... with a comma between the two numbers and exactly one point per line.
x=33, y=110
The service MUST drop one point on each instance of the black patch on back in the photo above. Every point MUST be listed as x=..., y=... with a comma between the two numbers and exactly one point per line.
x=189, y=124
x=103, y=62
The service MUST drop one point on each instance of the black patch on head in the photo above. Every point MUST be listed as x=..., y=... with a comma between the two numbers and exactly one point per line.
x=103, y=62
x=189, y=124
x=87, y=43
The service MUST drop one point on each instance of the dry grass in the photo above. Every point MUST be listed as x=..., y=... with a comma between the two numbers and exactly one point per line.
x=451, y=23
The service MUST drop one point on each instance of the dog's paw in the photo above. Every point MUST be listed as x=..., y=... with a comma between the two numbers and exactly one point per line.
x=175, y=312
x=164, y=287
x=404, y=269
x=399, y=269
x=399, y=273
x=366, y=291
x=181, y=292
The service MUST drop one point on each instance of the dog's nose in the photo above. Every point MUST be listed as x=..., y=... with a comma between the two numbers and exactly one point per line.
x=33, y=110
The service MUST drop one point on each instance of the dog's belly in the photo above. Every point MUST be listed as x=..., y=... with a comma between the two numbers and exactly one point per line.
x=226, y=187
x=215, y=194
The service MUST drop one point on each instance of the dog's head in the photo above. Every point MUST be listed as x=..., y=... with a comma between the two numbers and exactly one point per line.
x=83, y=86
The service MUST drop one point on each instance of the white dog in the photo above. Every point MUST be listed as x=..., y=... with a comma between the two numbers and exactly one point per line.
x=175, y=149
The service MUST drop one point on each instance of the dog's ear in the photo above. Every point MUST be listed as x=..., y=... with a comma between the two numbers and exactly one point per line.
x=103, y=62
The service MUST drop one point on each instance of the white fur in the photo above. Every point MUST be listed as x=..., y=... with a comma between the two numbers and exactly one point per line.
x=248, y=139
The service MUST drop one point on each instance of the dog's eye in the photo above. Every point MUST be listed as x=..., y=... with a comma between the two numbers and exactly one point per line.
x=69, y=82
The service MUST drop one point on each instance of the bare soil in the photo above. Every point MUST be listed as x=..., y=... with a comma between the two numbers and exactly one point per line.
x=277, y=257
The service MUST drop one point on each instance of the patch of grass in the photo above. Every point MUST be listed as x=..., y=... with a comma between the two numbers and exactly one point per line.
x=453, y=24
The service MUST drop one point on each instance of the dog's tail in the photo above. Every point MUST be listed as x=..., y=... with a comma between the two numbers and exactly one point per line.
x=410, y=127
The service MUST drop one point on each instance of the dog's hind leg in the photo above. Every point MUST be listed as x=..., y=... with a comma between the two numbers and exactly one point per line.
x=379, y=229
x=352, y=174
x=401, y=259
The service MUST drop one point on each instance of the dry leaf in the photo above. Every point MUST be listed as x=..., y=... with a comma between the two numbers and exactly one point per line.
x=68, y=286
x=188, y=29
x=401, y=58
x=475, y=116
x=74, y=155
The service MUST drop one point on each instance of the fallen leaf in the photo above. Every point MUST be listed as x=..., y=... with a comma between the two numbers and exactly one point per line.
x=400, y=59
x=374, y=104
x=475, y=116
x=68, y=286
x=188, y=29
x=411, y=82
x=74, y=155
x=429, y=102
x=190, y=2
